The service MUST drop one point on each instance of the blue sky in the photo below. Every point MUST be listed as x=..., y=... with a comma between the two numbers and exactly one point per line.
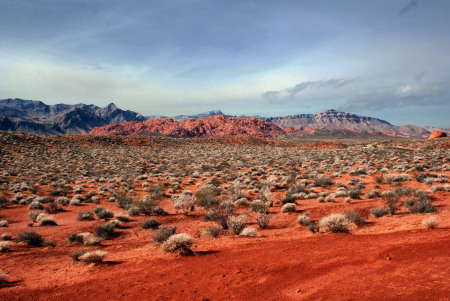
x=387, y=59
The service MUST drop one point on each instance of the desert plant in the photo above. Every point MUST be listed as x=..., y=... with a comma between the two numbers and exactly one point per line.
x=356, y=217
x=263, y=219
x=5, y=246
x=179, y=243
x=75, y=255
x=250, y=232
x=335, y=223
x=237, y=223
x=31, y=238
x=47, y=221
x=103, y=213
x=379, y=211
x=373, y=193
x=221, y=214
x=146, y=205
x=105, y=231
x=3, y=277
x=314, y=228
x=207, y=197
x=304, y=219
x=85, y=216
x=93, y=256
x=6, y=236
x=151, y=224
x=4, y=223
x=160, y=211
x=289, y=207
x=420, y=203
x=212, y=231
x=164, y=233
x=431, y=222
x=391, y=200
x=76, y=238
x=322, y=181
x=258, y=206
x=184, y=202
x=35, y=205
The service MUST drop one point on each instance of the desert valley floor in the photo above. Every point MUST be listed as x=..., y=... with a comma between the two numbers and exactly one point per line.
x=390, y=239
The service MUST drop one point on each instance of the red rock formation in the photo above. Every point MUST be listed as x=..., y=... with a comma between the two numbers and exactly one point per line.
x=219, y=125
x=437, y=134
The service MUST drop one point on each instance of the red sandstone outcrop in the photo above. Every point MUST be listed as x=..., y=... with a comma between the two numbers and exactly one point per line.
x=219, y=125
x=437, y=134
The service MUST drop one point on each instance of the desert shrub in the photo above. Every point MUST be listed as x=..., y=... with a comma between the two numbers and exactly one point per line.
x=6, y=236
x=242, y=202
x=160, y=211
x=35, y=205
x=4, y=223
x=314, y=228
x=263, y=219
x=93, y=256
x=304, y=219
x=420, y=203
x=212, y=231
x=62, y=201
x=335, y=223
x=105, y=231
x=250, y=232
x=179, y=243
x=75, y=201
x=237, y=223
x=207, y=197
x=431, y=222
x=85, y=216
x=379, y=212
x=123, y=217
x=52, y=208
x=322, y=181
x=47, y=221
x=31, y=238
x=258, y=206
x=354, y=193
x=392, y=200
x=373, y=193
x=184, y=202
x=164, y=233
x=356, y=217
x=76, y=238
x=103, y=213
x=75, y=255
x=3, y=277
x=221, y=214
x=5, y=246
x=124, y=201
x=146, y=205
x=133, y=210
x=289, y=207
x=32, y=215
x=151, y=224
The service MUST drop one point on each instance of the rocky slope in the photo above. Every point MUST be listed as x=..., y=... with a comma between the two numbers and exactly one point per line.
x=38, y=118
x=186, y=117
x=334, y=120
x=218, y=125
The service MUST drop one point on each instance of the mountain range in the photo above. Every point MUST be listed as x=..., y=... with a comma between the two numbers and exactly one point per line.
x=35, y=117
x=38, y=118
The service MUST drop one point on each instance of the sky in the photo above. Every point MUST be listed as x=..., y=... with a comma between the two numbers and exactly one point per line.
x=380, y=58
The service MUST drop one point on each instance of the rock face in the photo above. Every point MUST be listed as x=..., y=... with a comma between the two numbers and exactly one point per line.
x=437, y=134
x=35, y=117
x=218, y=125
x=334, y=120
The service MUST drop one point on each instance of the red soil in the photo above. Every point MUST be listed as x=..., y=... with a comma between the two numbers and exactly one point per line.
x=392, y=257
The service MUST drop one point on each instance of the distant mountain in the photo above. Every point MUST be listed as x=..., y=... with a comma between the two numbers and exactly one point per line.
x=186, y=117
x=218, y=125
x=38, y=118
x=334, y=120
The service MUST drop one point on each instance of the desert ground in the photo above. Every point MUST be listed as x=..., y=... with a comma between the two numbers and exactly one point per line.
x=224, y=218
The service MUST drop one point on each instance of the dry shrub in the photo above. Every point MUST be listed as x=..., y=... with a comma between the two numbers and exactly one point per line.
x=237, y=223
x=304, y=220
x=5, y=246
x=164, y=233
x=250, y=232
x=335, y=223
x=212, y=231
x=289, y=208
x=431, y=222
x=93, y=256
x=179, y=243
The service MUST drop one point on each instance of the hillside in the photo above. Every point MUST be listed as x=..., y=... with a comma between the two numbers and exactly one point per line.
x=219, y=125
x=35, y=117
